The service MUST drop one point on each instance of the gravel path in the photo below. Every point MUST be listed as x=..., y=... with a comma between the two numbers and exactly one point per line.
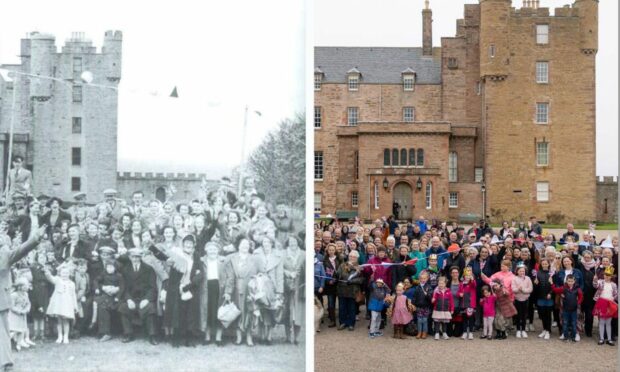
x=354, y=351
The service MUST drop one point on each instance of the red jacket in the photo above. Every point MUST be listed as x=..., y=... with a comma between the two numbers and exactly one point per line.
x=468, y=292
x=571, y=297
x=443, y=301
x=383, y=272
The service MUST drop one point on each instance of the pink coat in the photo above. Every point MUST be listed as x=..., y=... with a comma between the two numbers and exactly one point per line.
x=488, y=306
x=443, y=301
x=506, y=278
x=381, y=272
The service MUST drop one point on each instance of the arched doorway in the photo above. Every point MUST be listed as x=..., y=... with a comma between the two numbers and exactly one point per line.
x=160, y=194
x=402, y=196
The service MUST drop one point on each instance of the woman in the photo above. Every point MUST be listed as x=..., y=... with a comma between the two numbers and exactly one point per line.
x=212, y=288
x=544, y=296
x=179, y=226
x=125, y=223
x=170, y=240
x=182, y=312
x=587, y=265
x=240, y=269
x=133, y=239
x=354, y=246
x=271, y=265
x=294, y=272
x=231, y=233
x=454, y=258
x=421, y=263
x=331, y=263
x=400, y=272
x=349, y=284
x=55, y=216
x=455, y=327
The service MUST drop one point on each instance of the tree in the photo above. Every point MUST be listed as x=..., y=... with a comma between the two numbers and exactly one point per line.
x=279, y=163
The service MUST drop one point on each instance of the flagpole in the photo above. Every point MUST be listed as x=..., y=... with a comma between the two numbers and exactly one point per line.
x=242, y=165
x=8, y=171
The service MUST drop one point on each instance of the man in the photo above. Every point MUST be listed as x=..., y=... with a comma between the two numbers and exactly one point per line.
x=139, y=298
x=283, y=222
x=80, y=203
x=75, y=248
x=30, y=222
x=137, y=203
x=421, y=222
x=395, y=209
x=535, y=227
x=390, y=245
x=438, y=250
x=109, y=197
x=326, y=239
x=7, y=258
x=20, y=179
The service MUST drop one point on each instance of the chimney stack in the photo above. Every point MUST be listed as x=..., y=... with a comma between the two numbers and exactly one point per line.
x=427, y=30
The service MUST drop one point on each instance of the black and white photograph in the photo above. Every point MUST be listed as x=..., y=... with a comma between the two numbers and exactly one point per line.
x=153, y=188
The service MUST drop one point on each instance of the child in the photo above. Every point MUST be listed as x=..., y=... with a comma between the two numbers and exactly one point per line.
x=40, y=294
x=400, y=311
x=522, y=287
x=20, y=306
x=488, y=312
x=505, y=306
x=378, y=293
x=422, y=298
x=63, y=303
x=571, y=299
x=443, y=308
x=605, y=307
x=82, y=289
x=544, y=299
x=108, y=287
x=467, y=294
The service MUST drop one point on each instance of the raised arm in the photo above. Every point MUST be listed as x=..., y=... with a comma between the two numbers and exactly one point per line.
x=27, y=246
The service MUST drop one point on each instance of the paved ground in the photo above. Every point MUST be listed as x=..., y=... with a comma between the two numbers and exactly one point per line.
x=354, y=351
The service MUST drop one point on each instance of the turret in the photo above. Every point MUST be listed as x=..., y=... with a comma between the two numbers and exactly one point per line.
x=427, y=30
x=42, y=53
x=494, y=30
x=112, y=53
x=588, y=25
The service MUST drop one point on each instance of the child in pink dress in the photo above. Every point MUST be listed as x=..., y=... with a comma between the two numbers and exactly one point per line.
x=400, y=311
x=63, y=303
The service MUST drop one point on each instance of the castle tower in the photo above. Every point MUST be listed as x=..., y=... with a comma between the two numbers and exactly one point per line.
x=42, y=51
x=494, y=38
x=427, y=30
x=112, y=54
x=588, y=25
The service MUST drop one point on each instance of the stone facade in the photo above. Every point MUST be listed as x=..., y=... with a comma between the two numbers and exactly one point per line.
x=607, y=199
x=475, y=97
x=157, y=185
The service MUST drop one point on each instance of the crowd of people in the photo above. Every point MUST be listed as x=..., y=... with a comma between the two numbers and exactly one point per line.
x=441, y=280
x=224, y=265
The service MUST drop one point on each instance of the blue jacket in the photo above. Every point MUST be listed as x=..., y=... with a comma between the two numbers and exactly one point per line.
x=440, y=256
x=422, y=226
x=319, y=275
x=558, y=278
x=377, y=296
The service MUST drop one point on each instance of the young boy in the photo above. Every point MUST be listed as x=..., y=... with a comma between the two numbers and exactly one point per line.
x=378, y=293
x=571, y=299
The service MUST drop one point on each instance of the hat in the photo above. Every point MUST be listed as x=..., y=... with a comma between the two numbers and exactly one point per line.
x=110, y=192
x=379, y=280
x=79, y=195
x=80, y=262
x=42, y=197
x=190, y=237
x=453, y=248
x=609, y=270
x=135, y=252
x=51, y=200
x=18, y=195
x=432, y=257
x=607, y=243
x=106, y=249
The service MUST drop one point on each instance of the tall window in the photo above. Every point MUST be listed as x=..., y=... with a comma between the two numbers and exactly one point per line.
x=542, y=34
x=542, y=72
x=478, y=174
x=492, y=50
x=386, y=157
x=77, y=65
x=452, y=167
x=317, y=202
x=542, y=113
x=77, y=93
x=412, y=157
x=354, y=199
x=408, y=115
x=352, y=116
x=317, y=81
x=403, y=157
x=354, y=82
x=542, y=191
x=453, y=201
x=317, y=116
x=542, y=153
x=76, y=125
x=376, y=195
x=420, y=157
x=429, y=197
x=395, y=157
x=76, y=184
x=318, y=165
x=76, y=156
x=408, y=82
x=356, y=160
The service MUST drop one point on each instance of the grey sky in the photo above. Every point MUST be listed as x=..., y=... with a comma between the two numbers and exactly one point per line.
x=399, y=23
x=221, y=58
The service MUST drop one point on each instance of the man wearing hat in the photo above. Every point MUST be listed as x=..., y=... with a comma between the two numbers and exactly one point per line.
x=20, y=178
x=7, y=259
x=139, y=298
x=80, y=203
x=109, y=197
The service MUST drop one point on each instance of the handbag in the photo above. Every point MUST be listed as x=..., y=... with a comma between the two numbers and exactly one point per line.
x=228, y=313
x=360, y=298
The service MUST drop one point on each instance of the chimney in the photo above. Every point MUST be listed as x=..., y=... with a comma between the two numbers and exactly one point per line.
x=427, y=30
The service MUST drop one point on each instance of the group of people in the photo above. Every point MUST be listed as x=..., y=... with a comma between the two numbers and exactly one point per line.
x=226, y=264
x=444, y=280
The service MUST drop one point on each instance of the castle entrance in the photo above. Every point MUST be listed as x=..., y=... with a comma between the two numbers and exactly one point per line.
x=402, y=196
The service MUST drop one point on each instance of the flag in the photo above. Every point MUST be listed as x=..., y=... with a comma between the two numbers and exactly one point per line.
x=174, y=93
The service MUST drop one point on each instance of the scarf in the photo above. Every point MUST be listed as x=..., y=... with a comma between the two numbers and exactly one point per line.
x=588, y=265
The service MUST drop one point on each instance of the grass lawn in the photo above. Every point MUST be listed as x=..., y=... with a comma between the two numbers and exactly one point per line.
x=87, y=354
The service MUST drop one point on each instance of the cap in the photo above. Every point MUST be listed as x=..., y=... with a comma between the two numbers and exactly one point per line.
x=110, y=192
x=106, y=249
x=190, y=237
x=453, y=248
x=79, y=195
x=135, y=252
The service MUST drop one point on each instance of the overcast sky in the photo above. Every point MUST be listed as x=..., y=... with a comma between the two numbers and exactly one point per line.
x=221, y=55
x=399, y=23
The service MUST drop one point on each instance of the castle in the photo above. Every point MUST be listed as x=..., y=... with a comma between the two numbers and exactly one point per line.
x=65, y=126
x=496, y=122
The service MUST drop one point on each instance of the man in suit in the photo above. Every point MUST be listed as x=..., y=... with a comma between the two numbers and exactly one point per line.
x=7, y=258
x=74, y=248
x=29, y=222
x=20, y=179
x=139, y=298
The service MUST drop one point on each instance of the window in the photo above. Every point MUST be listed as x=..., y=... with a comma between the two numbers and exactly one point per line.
x=478, y=174
x=317, y=202
x=408, y=114
x=77, y=65
x=354, y=82
x=408, y=82
x=542, y=153
x=356, y=161
x=76, y=184
x=429, y=191
x=542, y=191
x=352, y=116
x=605, y=207
x=542, y=72
x=318, y=165
x=318, y=79
x=453, y=63
x=76, y=156
x=542, y=113
x=420, y=157
x=403, y=157
x=395, y=157
x=354, y=199
x=376, y=195
x=453, y=200
x=452, y=167
x=542, y=34
x=478, y=88
x=317, y=116
x=492, y=50
x=412, y=157
x=77, y=93
x=76, y=125
x=386, y=157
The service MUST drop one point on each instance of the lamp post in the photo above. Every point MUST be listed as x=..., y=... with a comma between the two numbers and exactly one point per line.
x=483, y=188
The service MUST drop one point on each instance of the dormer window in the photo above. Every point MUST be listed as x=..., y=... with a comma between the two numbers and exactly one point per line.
x=318, y=78
x=408, y=79
x=353, y=79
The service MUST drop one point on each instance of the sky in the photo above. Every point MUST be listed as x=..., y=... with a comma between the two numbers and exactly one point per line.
x=220, y=59
x=398, y=23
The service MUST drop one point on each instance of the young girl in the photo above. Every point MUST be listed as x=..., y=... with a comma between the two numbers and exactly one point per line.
x=467, y=295
x=488, y=312
x=544, y=296
x=505, y=306
x=443, y=308
x=378, y=293
x=20, y=306
x=605, y=307
x=40, y=295
x=422, y=298
x=63, y=303
x=521, y=287
x=400, y=311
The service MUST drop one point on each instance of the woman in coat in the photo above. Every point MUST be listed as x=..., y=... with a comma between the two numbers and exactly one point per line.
x=331, y=262
x=350, y=279
x=54, y=217
x=270, y=263
x=240, y=269
x=212, y=289
x=293, y=265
